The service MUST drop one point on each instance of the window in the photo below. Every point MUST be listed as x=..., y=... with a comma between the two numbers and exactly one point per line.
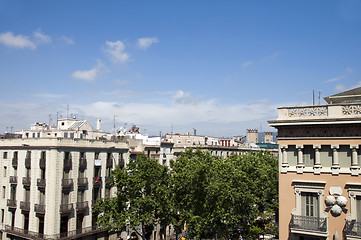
x=5, y=170
x=310, y=206
x=5, y=155
x=4, y=191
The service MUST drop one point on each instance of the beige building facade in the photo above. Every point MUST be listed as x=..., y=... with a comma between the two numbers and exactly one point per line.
x=319, y=171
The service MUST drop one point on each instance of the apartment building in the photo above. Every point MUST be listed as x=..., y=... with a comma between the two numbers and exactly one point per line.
x=50, y=183
x=319, y=171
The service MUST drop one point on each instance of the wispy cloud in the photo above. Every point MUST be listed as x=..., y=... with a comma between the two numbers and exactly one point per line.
x=274, y=55
x=41, y=38
x=334, y=79
x=340, y=88
x=9, y=39
x=145, y=43
x=88, y=75
x=115, y=51
x=247, y=64
x=67, y=40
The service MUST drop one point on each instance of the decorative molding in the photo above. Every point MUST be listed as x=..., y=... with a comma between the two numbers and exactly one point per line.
x=351, y=110
x=308, y=112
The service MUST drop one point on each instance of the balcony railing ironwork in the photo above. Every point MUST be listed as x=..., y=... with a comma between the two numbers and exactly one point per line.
x=24, y=233
x=26, y=181
x=109, y=163
x=352, y=228
x=97, y=181
x=41, y=183
x=82, y=182
x=11, y=203
x=66, y=208
x=39, y=208
x=67, y=183
x=68, y=163
x=15, y=162
x=309, y=223
x=13, y=180
x=25, y=206
x=82, y=206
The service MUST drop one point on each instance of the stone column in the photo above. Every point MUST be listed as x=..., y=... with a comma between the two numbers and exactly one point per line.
x=335, y=165
x=354, y=161
x=317, y=166
x=300, y=165
x=283, y=156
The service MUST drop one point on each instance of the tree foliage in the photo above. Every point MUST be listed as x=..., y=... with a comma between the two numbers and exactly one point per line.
x=209, y=195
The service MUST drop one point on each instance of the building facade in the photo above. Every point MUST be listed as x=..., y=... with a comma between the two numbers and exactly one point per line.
x=319, y=171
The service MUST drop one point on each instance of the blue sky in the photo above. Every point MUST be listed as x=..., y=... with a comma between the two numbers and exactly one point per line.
x=218, y=66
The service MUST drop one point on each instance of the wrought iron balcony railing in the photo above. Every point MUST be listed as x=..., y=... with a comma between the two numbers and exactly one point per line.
x=13, y=180
x=81, y=206
x=352, y=228
x=25, y=206
x=82, y=182
x=67, y=183
x=28, y=162
x=308, y=223
x=66, y=208
x=26, y=181
x=41, y=183
x=11, y=203
x=68, y=163
x=39, y=208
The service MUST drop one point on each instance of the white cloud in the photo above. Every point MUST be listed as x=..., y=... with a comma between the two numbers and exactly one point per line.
x=246, y=64
x=16, y=41
x=340, y=88
x=115, y=51
x=67, y=40
x=20, y=41
x=88, y=75
x=41, y=38
x=334, y=79
x=145, y=43
x=183, y=97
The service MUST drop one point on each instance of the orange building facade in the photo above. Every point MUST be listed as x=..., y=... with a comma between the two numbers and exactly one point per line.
x=319, y=169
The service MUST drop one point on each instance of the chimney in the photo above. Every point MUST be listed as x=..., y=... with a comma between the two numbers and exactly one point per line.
x=98, y=125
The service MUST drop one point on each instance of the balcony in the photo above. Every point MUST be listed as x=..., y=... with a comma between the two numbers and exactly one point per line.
x=300, y=224
x=11, y=203
x=15, y=162
x=82, y=163
x=82, y=182
x=42, y=163
x=39, y=208
x=66, y=208
x=68, y=163
x=82, y=206
x=28, y=162
x=26, y=181
x=79, y=233
x=41, y=183
x=97, y=181
x=13, y=180
x=25, y=206
x=23, y=233
x=67, y=183
x=352, y=229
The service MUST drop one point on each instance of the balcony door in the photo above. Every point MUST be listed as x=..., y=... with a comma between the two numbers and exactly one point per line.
x=310, y=206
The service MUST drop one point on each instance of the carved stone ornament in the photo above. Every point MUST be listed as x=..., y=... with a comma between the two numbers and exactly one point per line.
x=336, y=203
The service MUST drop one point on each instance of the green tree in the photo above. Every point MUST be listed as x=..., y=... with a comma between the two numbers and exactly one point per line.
x=142, y=198
x=216, y=197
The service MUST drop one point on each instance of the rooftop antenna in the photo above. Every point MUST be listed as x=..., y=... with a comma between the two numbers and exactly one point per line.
x=49, y=120
x=313, y=97
x=114, y=123
x=319, y=97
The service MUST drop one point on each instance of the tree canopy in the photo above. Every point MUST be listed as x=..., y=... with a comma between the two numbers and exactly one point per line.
x=209, y=195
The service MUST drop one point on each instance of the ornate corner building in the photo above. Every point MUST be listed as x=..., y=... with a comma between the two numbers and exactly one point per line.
x=319, y=169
